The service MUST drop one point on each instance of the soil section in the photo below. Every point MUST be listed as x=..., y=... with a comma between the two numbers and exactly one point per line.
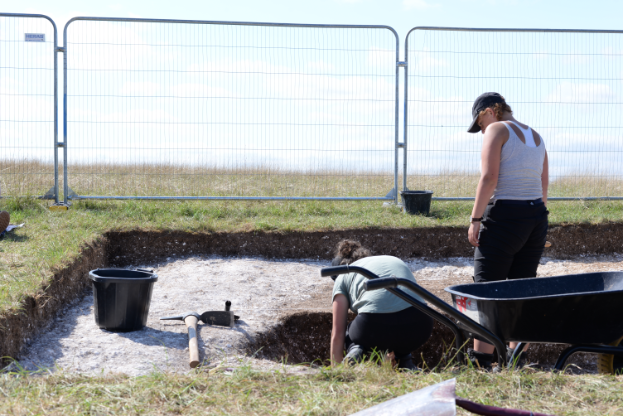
x=65, y=286
x=285, y=340
x=144, y=247
x=285, y=317
x=261, y=292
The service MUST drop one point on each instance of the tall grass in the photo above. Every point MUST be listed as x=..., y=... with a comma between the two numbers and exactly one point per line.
x=290, y=391
x=32, y=178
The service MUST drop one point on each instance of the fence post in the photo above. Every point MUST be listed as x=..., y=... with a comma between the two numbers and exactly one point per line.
x=275, y=117
x=560, y=81
x=30, y=37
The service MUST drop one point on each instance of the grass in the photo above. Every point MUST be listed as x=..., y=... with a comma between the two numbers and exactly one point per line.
x=24, y=177
x=327, y=391
x=51, y=240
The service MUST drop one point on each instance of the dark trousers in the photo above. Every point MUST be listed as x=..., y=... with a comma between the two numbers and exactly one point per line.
x=401, y=332
x=512, y=239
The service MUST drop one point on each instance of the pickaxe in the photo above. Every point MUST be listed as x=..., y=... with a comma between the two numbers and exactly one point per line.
x=221, y=318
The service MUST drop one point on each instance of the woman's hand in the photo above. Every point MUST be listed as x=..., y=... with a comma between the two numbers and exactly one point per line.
x=472, y=234
x=338, y=332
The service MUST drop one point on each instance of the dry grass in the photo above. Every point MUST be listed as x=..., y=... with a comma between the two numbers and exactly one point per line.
x=34, y=179
x=327, y=391
x=463, y=184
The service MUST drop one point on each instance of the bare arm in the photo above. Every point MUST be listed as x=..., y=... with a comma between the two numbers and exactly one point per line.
x=545, y=178
x=495, y=137
x=338, y=333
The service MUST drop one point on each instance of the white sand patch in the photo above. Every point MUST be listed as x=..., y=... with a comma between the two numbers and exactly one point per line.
x=260, y=291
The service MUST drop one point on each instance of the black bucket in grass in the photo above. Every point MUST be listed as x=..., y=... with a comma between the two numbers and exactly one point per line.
x=122, y=297
x=416, y=202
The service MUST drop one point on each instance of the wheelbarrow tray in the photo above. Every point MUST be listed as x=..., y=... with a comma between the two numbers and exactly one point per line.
x=571, y=309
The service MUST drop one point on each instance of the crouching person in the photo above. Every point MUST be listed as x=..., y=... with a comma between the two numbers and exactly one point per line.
x=384, y=322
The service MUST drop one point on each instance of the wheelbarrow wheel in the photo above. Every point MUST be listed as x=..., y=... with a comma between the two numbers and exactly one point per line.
x=608, y=363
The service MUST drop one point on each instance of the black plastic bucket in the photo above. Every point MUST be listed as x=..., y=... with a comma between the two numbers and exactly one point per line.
x=416, y=202
x=122, y=297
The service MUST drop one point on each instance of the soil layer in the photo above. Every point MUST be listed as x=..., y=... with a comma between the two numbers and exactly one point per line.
x=142, y=247
x=17, y=327
x=147, y=247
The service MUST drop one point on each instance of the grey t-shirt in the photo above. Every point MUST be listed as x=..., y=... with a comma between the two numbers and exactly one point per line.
x=375, y=301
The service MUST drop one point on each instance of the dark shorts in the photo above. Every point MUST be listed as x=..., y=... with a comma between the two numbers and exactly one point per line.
x=512, y=239
x=402, y=332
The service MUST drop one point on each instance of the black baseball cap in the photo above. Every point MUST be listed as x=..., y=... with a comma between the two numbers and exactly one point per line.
x=485, y=100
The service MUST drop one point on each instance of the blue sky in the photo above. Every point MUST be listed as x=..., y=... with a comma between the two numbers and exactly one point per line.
x=400, y=14
x=119, y=110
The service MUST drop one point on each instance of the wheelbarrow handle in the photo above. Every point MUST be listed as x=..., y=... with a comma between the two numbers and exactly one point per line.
x=466, y=321
x=332, y=271
x=380, y=283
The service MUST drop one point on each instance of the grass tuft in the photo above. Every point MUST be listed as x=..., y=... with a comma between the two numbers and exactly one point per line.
x=285, y=391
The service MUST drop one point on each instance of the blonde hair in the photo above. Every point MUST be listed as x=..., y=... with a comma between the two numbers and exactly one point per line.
x=498, y=110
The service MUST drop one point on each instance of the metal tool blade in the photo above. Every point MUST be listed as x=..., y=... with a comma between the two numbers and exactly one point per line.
x=180, y=317
x=173, y=318
x=221, y=318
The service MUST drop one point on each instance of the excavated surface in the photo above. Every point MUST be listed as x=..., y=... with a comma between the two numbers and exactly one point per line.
x=261, y=292
x=18, y=326
x=284, y=308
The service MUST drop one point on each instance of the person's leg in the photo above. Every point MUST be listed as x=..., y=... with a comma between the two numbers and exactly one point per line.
x=504, y=233
x=5, y=220
x=526, y=261
x=355, y=351
x=497, y=246
x=400, y=332
x=492, y=259
x=418, y=327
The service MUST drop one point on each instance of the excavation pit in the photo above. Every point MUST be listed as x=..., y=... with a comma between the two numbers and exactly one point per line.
x=285, y=310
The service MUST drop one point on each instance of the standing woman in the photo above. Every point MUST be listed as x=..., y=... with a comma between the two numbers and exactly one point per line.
x=384, y=321
x=509, y=220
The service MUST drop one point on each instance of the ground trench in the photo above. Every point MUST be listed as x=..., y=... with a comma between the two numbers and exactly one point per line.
x=298, y=337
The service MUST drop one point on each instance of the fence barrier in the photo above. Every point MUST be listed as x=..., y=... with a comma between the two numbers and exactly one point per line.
x=170, y=109
x=29, y=106
x=566, y=84
x=157, y=109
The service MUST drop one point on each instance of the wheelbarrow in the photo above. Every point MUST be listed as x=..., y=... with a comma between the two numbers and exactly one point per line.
x=583, y=310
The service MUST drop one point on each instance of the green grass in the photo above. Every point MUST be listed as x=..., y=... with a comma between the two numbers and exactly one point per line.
x=338, y=391
x=51, y=240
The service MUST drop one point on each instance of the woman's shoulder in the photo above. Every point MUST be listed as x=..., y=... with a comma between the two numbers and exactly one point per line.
x=385, y=266
x=377, y=259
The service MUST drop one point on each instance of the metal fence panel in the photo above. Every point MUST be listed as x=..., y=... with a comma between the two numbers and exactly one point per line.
x=28, y=103
x=225, y=109
x=566, y=84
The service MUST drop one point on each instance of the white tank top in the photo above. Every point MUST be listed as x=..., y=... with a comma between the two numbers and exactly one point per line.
x=521, y=166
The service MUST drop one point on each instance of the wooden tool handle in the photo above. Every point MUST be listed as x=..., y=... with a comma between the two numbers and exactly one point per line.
x=193, y=346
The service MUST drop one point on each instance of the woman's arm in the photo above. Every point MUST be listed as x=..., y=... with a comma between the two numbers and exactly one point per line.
x=545, y=178
x=338, y=333
x=495, y=137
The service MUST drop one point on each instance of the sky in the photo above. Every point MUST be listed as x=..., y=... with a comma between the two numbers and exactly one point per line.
x=298, y=104
x=402, y=15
